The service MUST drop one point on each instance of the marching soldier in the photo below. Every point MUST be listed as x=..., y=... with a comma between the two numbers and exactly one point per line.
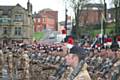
x=76, y=66
x=1, y=63
x=25, y=65
x=10, y=65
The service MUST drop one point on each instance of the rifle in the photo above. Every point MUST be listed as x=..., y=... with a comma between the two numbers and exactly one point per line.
x=59, y=71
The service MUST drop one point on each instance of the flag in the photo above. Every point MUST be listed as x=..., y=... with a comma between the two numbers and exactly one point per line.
x=109, y=42
x=64, y=31
x=70, y=42
x=118, y=40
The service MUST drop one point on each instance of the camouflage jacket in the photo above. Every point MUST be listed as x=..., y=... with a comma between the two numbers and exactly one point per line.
x=83, y=74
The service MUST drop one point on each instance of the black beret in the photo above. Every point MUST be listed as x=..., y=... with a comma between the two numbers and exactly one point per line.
x=79, y=51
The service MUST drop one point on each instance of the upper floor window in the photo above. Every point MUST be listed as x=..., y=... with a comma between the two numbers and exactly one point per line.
x=109, y=16
x=18, y=30
x=1, y=12
x=44, y=19
x=18, y=17
x=34, y=20
x=5, y=30
x=38, y=19
x=5, y=20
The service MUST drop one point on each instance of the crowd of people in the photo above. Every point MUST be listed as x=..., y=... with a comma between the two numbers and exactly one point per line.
x=45, y=58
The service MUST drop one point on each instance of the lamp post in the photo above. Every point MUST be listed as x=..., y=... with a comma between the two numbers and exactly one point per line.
x=115, y=45
x=66, y=16
x=117, y=16
x=104, y=22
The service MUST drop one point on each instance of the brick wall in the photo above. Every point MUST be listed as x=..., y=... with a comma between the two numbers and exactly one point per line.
x=90, y=17
x=48, y=20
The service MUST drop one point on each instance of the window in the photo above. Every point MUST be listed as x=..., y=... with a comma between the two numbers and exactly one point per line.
x=5, y=30
x=0, y=20
x=109, y=16
x=5, y=20
x=45, y=26
x=38, y=27
x=38, y=19
x=44, y=19
x=18, y=17
x=34, y=20
x=1, y=12
x=18, y=30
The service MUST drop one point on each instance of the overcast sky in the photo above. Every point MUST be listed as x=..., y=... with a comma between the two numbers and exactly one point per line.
x=41, y=4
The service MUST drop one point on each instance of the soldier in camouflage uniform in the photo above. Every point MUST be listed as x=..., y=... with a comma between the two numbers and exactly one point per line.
x=24, y=66
x=77, y=67
x=10, y=65
x=1, y=63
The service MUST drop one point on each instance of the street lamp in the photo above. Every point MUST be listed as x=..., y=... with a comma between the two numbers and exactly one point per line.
x=115, y=45
x=66, y=16
x=117, y=16
x=104, y=22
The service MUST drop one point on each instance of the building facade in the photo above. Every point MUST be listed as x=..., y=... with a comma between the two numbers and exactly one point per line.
x=46, y=19
x=90, y=17
x=91, y=14
x=111, y=15
x=16, y=23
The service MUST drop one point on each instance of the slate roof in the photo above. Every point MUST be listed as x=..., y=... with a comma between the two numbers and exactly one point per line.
x=95, y=5
x=6, y=9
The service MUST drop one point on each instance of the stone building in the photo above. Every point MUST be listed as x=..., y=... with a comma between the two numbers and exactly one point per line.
x=16, y=23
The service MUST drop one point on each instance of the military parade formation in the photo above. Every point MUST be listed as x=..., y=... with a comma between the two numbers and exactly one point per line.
x=40, y=61
x=38, y=46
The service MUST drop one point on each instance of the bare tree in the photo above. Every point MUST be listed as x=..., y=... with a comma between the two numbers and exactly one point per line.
x=77, y=6
x=117, y=15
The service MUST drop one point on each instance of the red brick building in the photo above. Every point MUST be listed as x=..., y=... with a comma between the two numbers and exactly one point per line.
x=90, y=17
x=91, y=14
x=46, y=19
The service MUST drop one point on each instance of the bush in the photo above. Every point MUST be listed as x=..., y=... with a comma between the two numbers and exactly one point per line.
x=38, y=35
